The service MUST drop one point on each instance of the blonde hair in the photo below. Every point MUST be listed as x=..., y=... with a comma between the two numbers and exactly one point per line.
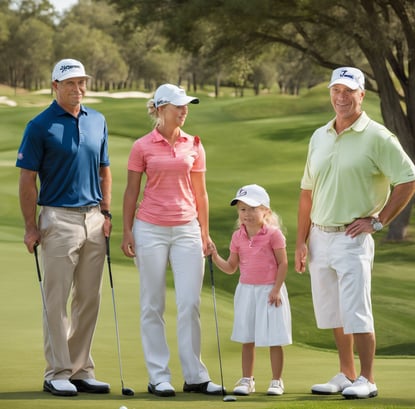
x=153, y=112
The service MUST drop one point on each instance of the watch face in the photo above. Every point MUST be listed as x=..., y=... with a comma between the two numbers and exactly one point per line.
x=378, y=226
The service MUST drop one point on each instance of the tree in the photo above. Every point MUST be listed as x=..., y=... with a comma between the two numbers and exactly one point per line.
x=26, y=67
x=26, y=27
x=97, y=51
x=378, y=36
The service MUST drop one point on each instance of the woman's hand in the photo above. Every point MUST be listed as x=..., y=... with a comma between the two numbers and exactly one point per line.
x=128, y=245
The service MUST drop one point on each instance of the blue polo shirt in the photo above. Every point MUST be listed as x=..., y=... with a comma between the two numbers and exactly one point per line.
x=67, y=153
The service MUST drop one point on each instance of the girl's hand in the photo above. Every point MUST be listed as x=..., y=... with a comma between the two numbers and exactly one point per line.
x=274, y=297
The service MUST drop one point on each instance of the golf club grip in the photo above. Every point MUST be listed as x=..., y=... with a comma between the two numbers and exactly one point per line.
x=37, y=263
x=210, y=262
x=107, y=244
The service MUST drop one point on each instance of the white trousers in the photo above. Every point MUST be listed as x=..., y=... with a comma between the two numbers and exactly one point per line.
x=340, y=270
x=181, y=246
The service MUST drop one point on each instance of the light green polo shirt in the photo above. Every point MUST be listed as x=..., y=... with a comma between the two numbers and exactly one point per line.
x=350, y=174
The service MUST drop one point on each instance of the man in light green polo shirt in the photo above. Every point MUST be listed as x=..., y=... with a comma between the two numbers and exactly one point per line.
x=357, y=179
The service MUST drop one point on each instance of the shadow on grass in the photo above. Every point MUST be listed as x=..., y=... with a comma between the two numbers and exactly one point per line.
x=146, y=400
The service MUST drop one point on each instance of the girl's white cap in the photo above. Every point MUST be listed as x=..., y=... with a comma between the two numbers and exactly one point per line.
x=252, y=195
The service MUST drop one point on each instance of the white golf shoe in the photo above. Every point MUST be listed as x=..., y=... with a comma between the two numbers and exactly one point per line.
x=360, y=389
x=335, y=385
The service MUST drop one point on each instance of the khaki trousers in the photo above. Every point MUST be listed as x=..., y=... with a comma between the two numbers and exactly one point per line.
x=73, y=255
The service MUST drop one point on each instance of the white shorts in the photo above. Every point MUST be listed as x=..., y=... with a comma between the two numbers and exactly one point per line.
x=255, y=320
x=340, y=269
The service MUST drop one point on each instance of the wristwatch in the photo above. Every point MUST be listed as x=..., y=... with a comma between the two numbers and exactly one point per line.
x=107, y=214
x=376, y=224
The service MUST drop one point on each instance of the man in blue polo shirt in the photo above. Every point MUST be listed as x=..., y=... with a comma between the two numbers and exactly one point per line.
x=66, y=147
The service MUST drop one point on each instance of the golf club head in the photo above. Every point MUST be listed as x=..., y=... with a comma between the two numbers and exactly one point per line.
x=229, y=398
x=127, y=392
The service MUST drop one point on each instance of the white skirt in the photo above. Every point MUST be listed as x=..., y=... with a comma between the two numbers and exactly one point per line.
x=255, y=320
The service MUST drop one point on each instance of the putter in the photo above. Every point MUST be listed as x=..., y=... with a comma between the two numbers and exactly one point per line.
x=226, y=398
x=42, y=292
x=125, y=391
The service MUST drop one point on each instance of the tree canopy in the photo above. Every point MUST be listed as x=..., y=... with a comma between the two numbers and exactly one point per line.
x=378, y=36
x=294, y=43
x=375, y=35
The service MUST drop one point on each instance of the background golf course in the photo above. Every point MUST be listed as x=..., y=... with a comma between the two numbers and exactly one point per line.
x=262, y=140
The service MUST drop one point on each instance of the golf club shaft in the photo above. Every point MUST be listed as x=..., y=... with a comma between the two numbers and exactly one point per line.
x=107, y=241
x=42, y=292
x=212, y=279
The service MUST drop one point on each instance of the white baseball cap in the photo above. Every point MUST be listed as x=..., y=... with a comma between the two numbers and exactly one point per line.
x=171, y=94
x=349, y=76
x=68, y=68
x=252, y=195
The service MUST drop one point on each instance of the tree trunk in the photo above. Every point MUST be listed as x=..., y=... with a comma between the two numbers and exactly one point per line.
x=396, y=120
x=399, y=226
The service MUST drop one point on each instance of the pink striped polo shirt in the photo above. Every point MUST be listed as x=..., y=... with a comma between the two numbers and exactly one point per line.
x=168, y=197
x=257, y=262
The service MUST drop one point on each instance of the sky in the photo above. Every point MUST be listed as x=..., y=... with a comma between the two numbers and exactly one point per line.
x=62, y=5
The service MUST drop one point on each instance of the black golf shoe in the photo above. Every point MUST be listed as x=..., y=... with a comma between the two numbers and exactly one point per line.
x=91, y=385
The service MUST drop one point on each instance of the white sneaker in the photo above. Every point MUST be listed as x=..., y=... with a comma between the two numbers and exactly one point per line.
x=244, y=386
x=276, y=387
x=361, y=389
x=335, y=385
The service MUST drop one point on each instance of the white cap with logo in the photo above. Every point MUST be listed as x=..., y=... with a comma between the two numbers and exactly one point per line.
x=349, y=76
x=252, y=195
x=68, y=68
x=172, y=94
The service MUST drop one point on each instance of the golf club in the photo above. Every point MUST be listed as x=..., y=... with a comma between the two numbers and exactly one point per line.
x=42, y=291
x=125, y=391
x=226, y=398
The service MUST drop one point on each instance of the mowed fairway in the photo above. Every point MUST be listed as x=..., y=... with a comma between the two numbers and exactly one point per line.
x=250, y=140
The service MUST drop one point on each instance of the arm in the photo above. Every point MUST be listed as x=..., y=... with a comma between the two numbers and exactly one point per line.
x=398, y=199
x=106, y=186
x=202, y=205
x=303, y=229
x=228, y=266
x=282, y=261
x=28, y=194
x=129, y=208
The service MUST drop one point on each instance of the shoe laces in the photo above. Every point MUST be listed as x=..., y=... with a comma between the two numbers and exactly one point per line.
x=244, y=382
x=360, y=380
x=275, y=383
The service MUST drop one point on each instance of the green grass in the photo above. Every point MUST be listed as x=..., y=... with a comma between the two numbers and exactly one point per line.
x=250, y=140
